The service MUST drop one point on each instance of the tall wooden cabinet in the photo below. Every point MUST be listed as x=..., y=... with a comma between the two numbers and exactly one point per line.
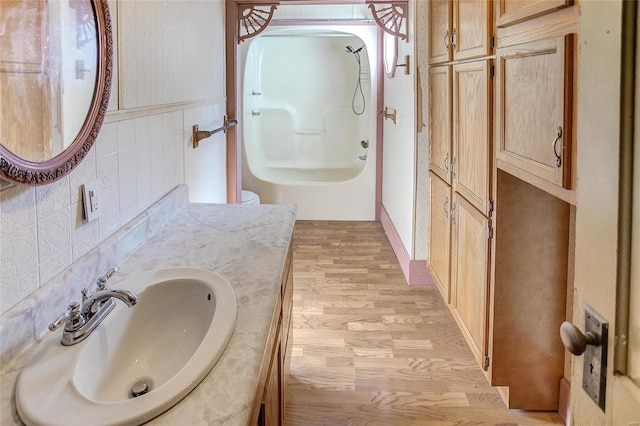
x=501, y=182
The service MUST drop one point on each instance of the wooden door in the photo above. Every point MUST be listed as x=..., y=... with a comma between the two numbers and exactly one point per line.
x=439, y=259
x=472, y=144
x=470, y=275
x=514, y=11
x=471, y=26
x=440, y=122
x=534, y=133
x=439, y=31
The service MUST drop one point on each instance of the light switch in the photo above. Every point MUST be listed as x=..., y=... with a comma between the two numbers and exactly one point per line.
x=90, y=200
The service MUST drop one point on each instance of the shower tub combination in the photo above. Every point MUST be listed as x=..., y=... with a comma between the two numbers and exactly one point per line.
x=309, y=98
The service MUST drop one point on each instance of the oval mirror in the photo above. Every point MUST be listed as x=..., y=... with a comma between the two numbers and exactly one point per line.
x=55, y=81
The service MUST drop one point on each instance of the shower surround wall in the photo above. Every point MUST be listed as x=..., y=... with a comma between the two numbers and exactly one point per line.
x=309, y=119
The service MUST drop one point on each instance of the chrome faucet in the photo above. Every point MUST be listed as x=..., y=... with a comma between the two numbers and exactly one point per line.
x=80, y=320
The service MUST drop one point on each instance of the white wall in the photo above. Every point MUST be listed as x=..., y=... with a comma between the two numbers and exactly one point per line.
x=400, y=150
x=140, y=153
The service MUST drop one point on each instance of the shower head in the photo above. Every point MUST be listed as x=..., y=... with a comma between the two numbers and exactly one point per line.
x=350, y=49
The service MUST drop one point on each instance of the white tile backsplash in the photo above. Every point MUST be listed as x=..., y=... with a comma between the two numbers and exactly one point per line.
x=54, y=233
x=127, y=164
x=52, y=198
x=17, y=209
x=18, y=254
x=126, y=134
x=108, y=170
x=109, y=211
x=107, y=140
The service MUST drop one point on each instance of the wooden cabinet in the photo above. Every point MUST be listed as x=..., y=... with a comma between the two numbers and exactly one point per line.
x=269, y=404
x=440, y=234
x=514, y=11
x=534, y=133
x=470, y=275
x=472, y=139
x=506, y=288
x=440, y=121
x=440, y=15
x=472, y=30
x=459, y=29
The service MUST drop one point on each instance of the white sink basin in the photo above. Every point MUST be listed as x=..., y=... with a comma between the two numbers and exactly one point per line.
x=162, y=348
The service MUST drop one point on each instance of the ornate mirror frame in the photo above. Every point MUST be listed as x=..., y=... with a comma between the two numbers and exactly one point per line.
x=32, y=173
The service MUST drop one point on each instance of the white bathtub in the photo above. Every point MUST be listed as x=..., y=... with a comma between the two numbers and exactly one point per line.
x=302, y=141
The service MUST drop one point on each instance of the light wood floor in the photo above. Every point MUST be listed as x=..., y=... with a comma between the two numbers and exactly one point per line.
x=369, y=350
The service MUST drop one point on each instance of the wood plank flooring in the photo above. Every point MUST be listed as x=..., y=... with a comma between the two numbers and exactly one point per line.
x=369, y=350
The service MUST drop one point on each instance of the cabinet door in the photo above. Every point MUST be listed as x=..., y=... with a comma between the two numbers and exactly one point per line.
x=440, y=234
x=440, y=121
x=471, y=27
x=472, y=144
x=535, y=82
x=273, y=415
x=470, y=275
x=515, y=11
x=439, y=31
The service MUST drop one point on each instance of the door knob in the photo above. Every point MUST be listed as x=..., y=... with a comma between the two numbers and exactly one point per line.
x=593, y=343
x=575, y=341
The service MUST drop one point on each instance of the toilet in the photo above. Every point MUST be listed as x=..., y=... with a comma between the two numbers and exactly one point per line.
x=249, y=197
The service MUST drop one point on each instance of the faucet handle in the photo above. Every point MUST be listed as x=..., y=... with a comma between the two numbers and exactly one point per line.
x=102, y=281
x=71, y=318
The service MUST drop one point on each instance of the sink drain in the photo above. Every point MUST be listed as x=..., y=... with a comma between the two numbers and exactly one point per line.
x=140, y=387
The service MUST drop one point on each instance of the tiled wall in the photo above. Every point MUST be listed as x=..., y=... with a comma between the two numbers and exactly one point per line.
x=139, y=155
x=136, y=161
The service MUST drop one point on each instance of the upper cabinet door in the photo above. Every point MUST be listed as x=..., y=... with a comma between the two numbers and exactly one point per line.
x=439, y=31
x=472, y=139
x=440, y=122
x=471, y=29
x=515, y=11
x=535, y=82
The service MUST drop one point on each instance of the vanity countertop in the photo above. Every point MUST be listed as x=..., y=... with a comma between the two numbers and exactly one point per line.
x=247, y=245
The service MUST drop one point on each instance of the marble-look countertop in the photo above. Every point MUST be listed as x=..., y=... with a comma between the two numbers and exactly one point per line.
x=247, y=245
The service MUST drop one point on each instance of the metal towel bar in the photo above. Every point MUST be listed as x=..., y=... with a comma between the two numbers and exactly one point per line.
x=198, y=135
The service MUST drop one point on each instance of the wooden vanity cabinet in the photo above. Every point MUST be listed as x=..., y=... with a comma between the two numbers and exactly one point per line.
x=459, y=30
x=534, y=133
x=269, y=405
x=439, y=259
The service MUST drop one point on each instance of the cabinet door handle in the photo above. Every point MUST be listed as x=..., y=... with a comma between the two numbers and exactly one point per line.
x=453, y=38
x=446, y=39
x=446, y=207
x=453, y=168
x=555, y=147
x=454, y=207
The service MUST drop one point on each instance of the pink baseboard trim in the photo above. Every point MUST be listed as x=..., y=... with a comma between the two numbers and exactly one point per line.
x=564, y=402
x=415, y=271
